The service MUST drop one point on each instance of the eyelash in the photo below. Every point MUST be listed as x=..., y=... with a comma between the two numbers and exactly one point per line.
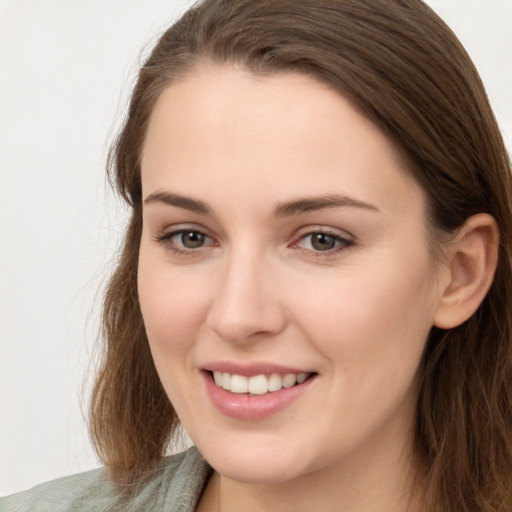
x=166, y=240
x=341, y=242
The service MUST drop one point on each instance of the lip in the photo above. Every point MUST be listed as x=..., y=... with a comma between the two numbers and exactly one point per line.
x=253, y=407
x=252, y=369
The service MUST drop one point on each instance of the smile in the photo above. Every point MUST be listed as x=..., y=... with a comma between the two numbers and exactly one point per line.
x=259, y=395
x=258, y=384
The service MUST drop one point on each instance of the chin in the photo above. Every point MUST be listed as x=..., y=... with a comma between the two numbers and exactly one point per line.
x=261, y=463
x=256, y=472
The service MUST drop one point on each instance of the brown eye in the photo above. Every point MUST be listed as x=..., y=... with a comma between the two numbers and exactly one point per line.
x=185, y=241
x=190, y=239
x=322, y=242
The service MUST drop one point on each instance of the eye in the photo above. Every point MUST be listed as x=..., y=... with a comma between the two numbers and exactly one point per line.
x=323, y=242
x=189, y=239
x=185, y=240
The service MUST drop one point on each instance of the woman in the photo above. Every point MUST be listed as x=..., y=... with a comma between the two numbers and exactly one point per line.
x=315, y=279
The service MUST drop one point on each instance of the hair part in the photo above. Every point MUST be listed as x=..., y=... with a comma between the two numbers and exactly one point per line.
x=404, y=70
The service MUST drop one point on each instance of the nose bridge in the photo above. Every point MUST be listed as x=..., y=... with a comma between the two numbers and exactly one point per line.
x=246, y=303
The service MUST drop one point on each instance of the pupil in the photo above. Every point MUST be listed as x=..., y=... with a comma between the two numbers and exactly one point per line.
x=192, y=239
x=322, y=242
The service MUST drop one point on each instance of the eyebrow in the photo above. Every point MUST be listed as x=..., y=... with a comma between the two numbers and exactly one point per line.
x=317, y=203
x=286, y=209
x=187, y=203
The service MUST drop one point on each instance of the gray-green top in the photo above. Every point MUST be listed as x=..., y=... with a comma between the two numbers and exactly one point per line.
x=176, y=485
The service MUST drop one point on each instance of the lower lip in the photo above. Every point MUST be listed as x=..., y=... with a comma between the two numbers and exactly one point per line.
x=252, y=407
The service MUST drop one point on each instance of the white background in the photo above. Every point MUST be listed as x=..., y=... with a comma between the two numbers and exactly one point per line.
x=66, y=69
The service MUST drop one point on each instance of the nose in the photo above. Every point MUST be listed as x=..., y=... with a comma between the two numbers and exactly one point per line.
x=247, y=304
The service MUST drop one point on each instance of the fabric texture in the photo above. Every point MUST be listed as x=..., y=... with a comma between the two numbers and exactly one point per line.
x=176, y=485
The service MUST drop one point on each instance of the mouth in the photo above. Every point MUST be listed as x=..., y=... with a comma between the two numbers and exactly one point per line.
x=258, y=385
x=255, y=392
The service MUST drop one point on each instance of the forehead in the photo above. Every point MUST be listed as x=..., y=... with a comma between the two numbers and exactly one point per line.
x=283, y=131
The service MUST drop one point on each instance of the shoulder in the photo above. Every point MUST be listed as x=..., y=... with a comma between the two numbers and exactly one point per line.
x=176, y=484
x=63, y=494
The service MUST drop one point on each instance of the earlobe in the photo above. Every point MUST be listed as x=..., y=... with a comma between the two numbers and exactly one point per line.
x=471, y=259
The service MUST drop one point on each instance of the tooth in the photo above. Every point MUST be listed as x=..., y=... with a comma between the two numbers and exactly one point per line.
x=238, y=384
x=258, y=385
x=289, y=380
x=301, y=378
x=226, y=381
x=217, y=377
x=275, y=382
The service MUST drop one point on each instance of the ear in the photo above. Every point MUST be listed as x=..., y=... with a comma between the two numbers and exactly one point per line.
x=471, y=262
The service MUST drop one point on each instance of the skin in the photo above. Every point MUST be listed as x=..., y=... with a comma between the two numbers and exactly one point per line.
x=257, y=290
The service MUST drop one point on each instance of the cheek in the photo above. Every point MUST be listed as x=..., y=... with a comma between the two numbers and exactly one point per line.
x=172, y=317
x=367, y=318
x=171, y=306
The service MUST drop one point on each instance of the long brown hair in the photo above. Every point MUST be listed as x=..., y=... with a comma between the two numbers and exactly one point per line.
x=403, y=69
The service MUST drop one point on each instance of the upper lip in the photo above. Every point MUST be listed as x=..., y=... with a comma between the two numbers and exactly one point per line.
x=252, y=369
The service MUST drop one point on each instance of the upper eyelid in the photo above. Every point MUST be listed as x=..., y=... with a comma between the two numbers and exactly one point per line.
x=328, y=230
x=168, y=232
x=177, y=228
x=174, y=232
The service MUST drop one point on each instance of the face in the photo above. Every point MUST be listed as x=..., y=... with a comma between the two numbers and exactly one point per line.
x=284, y=247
